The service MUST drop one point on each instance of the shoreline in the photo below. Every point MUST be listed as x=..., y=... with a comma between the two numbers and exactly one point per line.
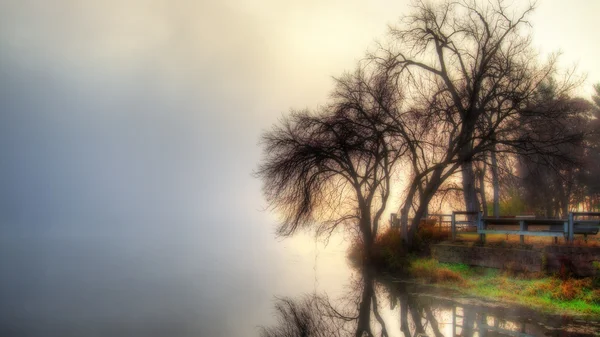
x=574, y=297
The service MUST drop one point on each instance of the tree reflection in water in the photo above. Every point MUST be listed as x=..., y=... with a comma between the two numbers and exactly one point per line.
x=372, y=304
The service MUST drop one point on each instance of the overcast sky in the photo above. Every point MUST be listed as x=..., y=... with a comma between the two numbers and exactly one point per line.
x=114, y=107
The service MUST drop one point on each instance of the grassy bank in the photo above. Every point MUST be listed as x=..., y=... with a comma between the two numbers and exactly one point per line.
x=550, y=294
x=563, y=295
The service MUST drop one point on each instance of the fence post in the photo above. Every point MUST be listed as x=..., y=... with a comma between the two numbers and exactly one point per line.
x=571, y=233
x=404, y=230
x=522, y=228
x=480, y=226
x=453, y=226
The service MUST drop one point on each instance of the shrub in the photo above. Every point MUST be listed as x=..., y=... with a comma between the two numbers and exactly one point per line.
x=388, y=250
x=429, y=231
x=573, y=289
x=428, y=234
x=564, y=290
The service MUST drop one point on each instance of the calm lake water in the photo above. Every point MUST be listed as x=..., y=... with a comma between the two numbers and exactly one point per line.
x=61, y=285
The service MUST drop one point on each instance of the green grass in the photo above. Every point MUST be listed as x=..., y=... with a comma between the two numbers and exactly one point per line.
x=549, y=294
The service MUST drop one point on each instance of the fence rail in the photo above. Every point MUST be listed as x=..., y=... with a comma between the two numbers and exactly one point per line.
x=576, y=223
x=585, y=223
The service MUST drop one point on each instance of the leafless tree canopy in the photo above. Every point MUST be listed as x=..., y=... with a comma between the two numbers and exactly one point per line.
x=471, y=76
x=334, y=165
x=456, y=82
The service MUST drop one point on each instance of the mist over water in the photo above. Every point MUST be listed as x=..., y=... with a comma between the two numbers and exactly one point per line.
x=127, y=206
x=151, y=284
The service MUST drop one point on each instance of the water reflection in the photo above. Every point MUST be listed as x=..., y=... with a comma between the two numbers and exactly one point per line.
x=378, y=306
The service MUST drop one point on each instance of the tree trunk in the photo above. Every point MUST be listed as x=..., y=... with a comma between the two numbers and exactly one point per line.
x=412, y=231
x=407, y=237
x=495, y=183
x=365, y=229
x=432, y=186
x=469, y=191
x=368, y=242
x=482, y=173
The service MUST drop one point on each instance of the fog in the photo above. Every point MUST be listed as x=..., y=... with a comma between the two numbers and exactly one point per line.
x=128, y=135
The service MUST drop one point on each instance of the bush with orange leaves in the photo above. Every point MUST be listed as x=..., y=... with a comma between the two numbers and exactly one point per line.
x=388, y=252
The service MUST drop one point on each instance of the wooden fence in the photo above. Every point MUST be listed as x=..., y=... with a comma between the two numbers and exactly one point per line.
x=577, y=223
x=585, y=223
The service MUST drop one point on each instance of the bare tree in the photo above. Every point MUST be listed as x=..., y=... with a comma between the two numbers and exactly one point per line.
x=334, y=166
x=470, y=73
x=468, y=76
